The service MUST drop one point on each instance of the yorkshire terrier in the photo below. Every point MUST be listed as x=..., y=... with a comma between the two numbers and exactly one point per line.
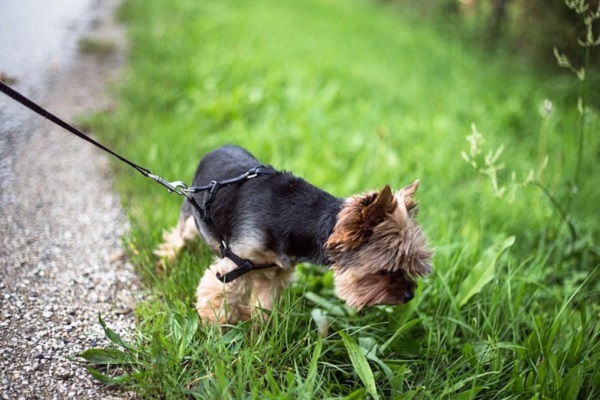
x=371, y=241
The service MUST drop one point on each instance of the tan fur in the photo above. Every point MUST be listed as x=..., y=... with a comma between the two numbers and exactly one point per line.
x=223, y=303
x=268, y=285
x=406, y=195
x=228, y=303
x=377, y=264
x=360, y=291
x=174, y=240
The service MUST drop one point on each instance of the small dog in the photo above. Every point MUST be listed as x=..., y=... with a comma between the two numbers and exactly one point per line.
x=370, y=241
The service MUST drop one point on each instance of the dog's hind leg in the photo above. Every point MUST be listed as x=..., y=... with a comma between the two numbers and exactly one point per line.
x=223, y=303
x=177, y=238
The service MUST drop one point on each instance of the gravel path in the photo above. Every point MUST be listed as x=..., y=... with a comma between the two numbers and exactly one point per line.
x=61, y=261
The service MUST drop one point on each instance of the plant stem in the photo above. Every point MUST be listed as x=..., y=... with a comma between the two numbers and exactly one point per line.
x=562, y=211
x=581, y=122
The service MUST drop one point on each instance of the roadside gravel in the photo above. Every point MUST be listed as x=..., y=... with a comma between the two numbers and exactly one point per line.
x=61, y=259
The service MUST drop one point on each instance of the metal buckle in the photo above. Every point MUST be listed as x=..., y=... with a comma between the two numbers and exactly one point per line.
x=253, y=173
x=178, y=187
x=172, y=187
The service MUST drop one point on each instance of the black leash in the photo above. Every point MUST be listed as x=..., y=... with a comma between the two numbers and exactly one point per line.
x=13, y=94
x=178, y=187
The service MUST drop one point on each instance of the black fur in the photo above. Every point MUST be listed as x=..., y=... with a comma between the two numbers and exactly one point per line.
x=292, y=218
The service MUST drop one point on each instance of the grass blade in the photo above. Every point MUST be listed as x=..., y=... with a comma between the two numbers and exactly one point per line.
x=483, y=272
x=312, y=369
x=572, y=383
x=112, y=335
x=360, y=364
x=399, y=332
x=326, y=304
x=105, y=379
x=106, y=356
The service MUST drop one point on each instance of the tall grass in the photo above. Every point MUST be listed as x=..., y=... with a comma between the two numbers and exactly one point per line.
x=351, y=96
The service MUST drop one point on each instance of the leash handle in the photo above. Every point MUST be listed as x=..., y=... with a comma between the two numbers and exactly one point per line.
x=13, y=94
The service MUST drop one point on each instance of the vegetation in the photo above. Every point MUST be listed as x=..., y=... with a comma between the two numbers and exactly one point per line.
x=99, y=47
x=351, y=96
x=529, y=28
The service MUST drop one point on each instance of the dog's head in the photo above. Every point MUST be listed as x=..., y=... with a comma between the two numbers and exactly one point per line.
x=377, y=250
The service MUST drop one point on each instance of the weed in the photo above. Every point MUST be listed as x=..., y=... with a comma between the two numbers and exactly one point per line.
x=99, y=47
x=490, y=164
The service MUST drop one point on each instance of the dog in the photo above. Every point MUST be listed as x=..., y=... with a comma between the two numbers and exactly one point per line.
x=371, y=241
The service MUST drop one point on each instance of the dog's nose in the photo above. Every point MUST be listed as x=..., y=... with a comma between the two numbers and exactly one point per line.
x=408, y=296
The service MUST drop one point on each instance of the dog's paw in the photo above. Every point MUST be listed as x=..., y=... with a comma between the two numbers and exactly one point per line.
x=167, y=251
x=161, y=267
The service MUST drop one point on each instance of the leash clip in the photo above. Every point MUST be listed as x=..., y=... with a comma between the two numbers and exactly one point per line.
x=178, y=187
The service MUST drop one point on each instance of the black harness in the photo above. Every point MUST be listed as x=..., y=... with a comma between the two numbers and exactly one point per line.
x=243, y=266
x=178, y=187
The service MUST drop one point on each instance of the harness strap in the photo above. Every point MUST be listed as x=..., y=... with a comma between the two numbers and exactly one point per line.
x=213, y=187
x=252, y=173
x=243, y=265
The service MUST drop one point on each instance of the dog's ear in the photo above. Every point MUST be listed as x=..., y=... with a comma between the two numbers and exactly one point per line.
x=375, y=212
x=407, y=194
x=359, y=217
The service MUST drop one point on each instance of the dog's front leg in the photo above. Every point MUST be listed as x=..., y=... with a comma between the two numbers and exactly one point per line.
x=268, y=285
x=223, y=303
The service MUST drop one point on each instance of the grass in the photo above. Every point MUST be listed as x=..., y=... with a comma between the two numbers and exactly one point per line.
x=351, y=96
x=99, y=47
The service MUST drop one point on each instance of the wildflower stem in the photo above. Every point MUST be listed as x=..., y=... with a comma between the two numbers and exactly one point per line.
x=581, y=123
x=563, y=212
x=542, y=146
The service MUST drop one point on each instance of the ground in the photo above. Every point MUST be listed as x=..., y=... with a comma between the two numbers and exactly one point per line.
x=60, y=255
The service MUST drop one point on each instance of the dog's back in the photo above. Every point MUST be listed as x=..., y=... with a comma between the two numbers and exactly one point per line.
x=223, y=163
x=280, y=212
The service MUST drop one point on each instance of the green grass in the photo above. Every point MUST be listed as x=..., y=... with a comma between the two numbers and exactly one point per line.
x=351, y=96
x=99, y=47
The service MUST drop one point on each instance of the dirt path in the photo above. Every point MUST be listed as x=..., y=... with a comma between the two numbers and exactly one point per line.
x=60, y=246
